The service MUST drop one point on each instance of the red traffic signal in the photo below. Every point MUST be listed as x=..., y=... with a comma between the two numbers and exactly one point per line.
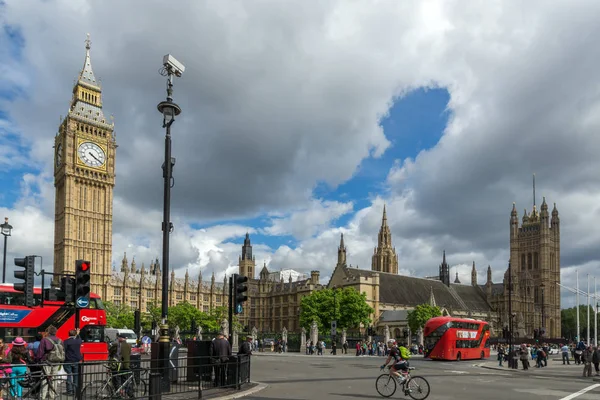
x=84, y=266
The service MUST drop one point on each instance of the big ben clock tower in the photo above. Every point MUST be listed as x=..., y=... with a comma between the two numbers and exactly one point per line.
x=84, y=178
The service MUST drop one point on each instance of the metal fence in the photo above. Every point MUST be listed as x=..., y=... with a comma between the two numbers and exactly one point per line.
x=186, y=378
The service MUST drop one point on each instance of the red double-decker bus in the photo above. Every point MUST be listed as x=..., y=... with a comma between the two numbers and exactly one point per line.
x=448, y=338
x=18, y=320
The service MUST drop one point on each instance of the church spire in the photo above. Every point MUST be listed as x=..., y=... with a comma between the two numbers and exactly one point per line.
x=342, y=252
x=86, y=76
x=385, y=258
x=444, y=271
x=473, y=275
x=456, y=280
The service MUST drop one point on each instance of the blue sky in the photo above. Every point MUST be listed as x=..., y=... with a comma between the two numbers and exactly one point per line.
x=515, y=98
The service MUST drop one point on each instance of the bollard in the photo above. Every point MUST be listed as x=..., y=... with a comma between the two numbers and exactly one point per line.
x=155, y=390
x=237, y=372
x=79, y=387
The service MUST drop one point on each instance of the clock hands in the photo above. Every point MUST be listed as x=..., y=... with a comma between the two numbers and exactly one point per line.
x=95, y=158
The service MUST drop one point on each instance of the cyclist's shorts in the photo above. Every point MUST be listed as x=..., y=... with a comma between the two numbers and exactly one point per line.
x=402, y=365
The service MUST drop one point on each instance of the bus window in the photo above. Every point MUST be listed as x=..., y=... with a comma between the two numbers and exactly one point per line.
x=92, y=333
x=96, y=304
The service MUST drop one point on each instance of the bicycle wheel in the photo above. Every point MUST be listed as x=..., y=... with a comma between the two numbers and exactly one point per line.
x=140, y=387
x=417, y=388
x=385, y=385
x=98, y=390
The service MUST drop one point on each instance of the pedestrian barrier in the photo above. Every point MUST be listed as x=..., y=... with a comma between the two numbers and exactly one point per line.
x=191, y=377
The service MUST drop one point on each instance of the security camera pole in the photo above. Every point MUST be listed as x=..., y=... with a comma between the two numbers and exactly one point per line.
x=169, y=110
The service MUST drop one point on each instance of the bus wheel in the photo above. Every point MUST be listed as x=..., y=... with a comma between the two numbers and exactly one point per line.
x=482, y=355
x=458, y=357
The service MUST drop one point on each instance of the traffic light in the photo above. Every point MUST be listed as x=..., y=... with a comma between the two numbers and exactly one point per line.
x=27, y=275
x=67, y=286
x=239, y=292
x=82, y=284
x=137, y=322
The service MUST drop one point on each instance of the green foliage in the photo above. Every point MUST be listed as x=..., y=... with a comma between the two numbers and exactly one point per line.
x=420, y=315
x=568, y=322
x=348, y=307
x=183, y=314
x=118, y=316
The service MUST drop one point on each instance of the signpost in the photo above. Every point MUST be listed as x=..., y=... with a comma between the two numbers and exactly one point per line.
x=333, y=328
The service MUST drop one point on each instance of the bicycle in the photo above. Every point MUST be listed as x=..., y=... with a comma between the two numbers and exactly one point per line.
x=30, y=384
x=416, y=387
x=105, y=389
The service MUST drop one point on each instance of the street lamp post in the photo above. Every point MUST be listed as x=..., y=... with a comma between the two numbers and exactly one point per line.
x=169, y=110
x=6, y=230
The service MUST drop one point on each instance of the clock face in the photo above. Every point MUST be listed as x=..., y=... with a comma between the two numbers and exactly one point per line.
x=59, y=155
x=91, y=154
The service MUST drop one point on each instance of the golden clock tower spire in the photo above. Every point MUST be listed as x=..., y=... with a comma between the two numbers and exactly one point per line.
x=84, y=178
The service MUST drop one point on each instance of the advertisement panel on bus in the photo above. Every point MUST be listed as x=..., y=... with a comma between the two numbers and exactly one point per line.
x=448, y=338
x=29, y=322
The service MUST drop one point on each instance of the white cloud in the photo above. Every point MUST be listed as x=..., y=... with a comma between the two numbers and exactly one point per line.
x=278, y=98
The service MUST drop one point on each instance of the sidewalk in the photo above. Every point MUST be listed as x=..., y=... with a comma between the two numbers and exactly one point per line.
x=338, y=355
x=555, y=369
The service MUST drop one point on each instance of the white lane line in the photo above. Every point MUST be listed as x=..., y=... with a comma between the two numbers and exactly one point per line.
x=582, y=391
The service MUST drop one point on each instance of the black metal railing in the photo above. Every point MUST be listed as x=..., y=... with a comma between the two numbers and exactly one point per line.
x=188, y=378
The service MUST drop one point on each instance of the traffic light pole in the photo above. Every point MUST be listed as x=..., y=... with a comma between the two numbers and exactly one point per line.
x=231, y=301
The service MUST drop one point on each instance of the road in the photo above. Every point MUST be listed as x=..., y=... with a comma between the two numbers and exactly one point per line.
x=299, y=377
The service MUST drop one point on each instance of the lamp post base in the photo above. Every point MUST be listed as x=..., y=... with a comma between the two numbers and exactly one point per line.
x=164, y=348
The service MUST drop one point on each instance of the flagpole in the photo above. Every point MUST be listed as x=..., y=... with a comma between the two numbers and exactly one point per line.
x=595, y=314
x=588, y=341
x=577, y=311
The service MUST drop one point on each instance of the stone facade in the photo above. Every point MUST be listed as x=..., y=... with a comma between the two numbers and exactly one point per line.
x=84, y=178
x=535, y=267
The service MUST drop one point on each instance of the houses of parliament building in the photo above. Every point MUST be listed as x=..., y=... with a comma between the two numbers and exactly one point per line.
x=84, y=179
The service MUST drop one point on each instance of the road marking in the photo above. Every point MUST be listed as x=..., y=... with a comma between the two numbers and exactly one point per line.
x=457, y=372
x=582, y=391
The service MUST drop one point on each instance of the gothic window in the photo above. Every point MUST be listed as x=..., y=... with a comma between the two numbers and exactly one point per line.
x=149, y=294
x=193, y=297
x=117, y=291
x=117, y=302
x=205, y=309
x=133, y=305
x=535, y=260
x=522, y=262
x=179, y=296
x=529, y=261
x=218, y=300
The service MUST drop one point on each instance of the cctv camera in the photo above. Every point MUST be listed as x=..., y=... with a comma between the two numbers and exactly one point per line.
x=172, y=65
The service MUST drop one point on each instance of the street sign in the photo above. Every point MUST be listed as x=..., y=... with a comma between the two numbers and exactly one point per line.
x=239, y=309
x=83, y=302
x=333, y=328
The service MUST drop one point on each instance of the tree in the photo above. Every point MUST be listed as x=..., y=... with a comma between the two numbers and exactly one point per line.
x=152, y=316
x=118, y=315
x=568, y=322
x=420, y=315
x=348, y=307
x=183, y=314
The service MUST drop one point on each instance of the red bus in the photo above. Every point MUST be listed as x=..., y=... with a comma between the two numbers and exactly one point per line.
x=448, y=338
x=18, y=320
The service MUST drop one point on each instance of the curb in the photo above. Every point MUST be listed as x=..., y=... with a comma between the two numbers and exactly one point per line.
x=516, y=371
x=259, y=386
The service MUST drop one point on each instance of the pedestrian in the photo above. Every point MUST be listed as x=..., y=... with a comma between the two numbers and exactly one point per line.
x=219, y=351
x=500, y=355
x=72, y=359
x=524, y=357
x=121, y=352
x=246, y=347
x=586, y=358
x=50, y=353
x=596, y=360
x=345, y=347
x=19, y=358
x=565, y=354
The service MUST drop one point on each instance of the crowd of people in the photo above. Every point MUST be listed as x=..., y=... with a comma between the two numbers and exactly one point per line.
x=581, y=353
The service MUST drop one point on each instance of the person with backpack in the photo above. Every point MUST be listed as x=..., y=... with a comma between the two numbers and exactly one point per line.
x=51, y=354
x=19, y=358
x=404, y=353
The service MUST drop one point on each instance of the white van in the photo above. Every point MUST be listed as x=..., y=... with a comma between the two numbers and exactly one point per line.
x=111, y=335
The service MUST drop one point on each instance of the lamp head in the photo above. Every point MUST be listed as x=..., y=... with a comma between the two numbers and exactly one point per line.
x=6, y=228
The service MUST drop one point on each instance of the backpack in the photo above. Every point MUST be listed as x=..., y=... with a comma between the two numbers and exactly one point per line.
x=57, y=354
x=404, y=353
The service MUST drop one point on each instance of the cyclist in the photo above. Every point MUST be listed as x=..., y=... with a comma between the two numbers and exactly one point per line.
x=399, y=363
